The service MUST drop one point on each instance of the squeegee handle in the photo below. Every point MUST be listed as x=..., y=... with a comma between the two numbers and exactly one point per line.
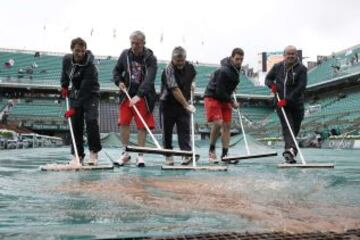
x=142, y=120
x=291, y=131
x=72, y=133
x=242, y=127
x=192, y=132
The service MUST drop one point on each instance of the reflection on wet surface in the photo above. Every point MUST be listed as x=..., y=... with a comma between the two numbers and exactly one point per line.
x=125, y=202
x=220, y=196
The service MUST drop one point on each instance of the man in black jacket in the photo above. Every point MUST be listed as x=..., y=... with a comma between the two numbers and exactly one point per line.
x=219, y=103
x=289, y=78
x=79, y=70
x=135, y=72
x=176, y=86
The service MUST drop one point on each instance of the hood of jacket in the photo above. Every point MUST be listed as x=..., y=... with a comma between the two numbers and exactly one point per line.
x=89, y=59
x=226, y=62
x=147, y=53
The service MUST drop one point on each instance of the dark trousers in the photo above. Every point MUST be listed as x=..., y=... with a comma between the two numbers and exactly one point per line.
x=89, y=113
x=172, y=115
x=295, y=117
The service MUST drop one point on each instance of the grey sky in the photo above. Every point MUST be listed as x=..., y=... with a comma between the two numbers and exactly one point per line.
x=207, y=29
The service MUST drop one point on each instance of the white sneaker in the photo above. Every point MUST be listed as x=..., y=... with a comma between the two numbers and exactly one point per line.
x=140, y=161
x=186, y=160
x=123, y=160
x=74, y=162
x=213, y=158
x=169, y=161
x=93, y=158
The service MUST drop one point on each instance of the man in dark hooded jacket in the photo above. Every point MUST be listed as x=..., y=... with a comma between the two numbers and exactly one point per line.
x=219, y=103
x=288, y=79
x=79, y=70
x=135, y=72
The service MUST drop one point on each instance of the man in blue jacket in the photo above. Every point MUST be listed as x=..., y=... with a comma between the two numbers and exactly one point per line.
x=135, y=72
x=79, y=69
x=289, y=78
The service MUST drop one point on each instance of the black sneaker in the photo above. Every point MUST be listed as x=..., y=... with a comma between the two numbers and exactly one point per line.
x=234, y=161
x=229, y=162
x=186, y=161
x=289, y=158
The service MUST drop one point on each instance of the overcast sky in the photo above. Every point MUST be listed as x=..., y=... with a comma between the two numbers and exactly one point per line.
x=209, y=30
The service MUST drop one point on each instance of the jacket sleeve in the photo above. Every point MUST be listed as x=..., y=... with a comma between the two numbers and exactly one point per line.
x=169, y=75
x=270, y=77
x=87, y=85
x=194, y=73
x=119, y=70
x=65, y=81
x=300, y=85
x=150, y=74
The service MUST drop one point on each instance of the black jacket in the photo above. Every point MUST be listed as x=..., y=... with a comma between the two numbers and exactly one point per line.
x=122, y=71
x=83, y=78
x=223, y=82
x=183, y=80
x=291, y=87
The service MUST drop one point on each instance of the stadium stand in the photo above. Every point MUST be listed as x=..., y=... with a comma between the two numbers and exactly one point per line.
x=337, y=65
x=3, y=103
x=331, y=108
x=46, y=69
x=334, y=112
x=24, y=109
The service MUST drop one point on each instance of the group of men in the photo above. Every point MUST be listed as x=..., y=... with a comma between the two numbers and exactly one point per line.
x=135, y=74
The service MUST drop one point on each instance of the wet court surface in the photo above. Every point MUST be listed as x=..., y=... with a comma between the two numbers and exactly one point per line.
x=253, y=196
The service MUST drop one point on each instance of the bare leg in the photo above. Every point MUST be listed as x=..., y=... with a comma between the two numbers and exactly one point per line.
x=215, y=130
x=125, y=135
x=225, y=137
x=141, y=138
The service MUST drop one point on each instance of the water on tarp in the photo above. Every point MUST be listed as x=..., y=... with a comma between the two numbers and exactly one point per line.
x=126, y=202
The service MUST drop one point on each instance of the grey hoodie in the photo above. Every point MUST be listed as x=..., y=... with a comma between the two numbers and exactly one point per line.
x=122, y=71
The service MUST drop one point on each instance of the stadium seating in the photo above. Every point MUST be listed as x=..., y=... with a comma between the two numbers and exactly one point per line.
x=3, y=103
x=330, y=110
x=36, y=109
x=336, y=112
x=46, y=69
x=327, y=70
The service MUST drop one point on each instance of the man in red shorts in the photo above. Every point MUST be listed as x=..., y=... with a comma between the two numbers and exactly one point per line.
x=218, y=101
x=135, y=72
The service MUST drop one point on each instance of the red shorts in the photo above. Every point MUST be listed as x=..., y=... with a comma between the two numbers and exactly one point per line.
x=126, y=114
x=216, y=110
